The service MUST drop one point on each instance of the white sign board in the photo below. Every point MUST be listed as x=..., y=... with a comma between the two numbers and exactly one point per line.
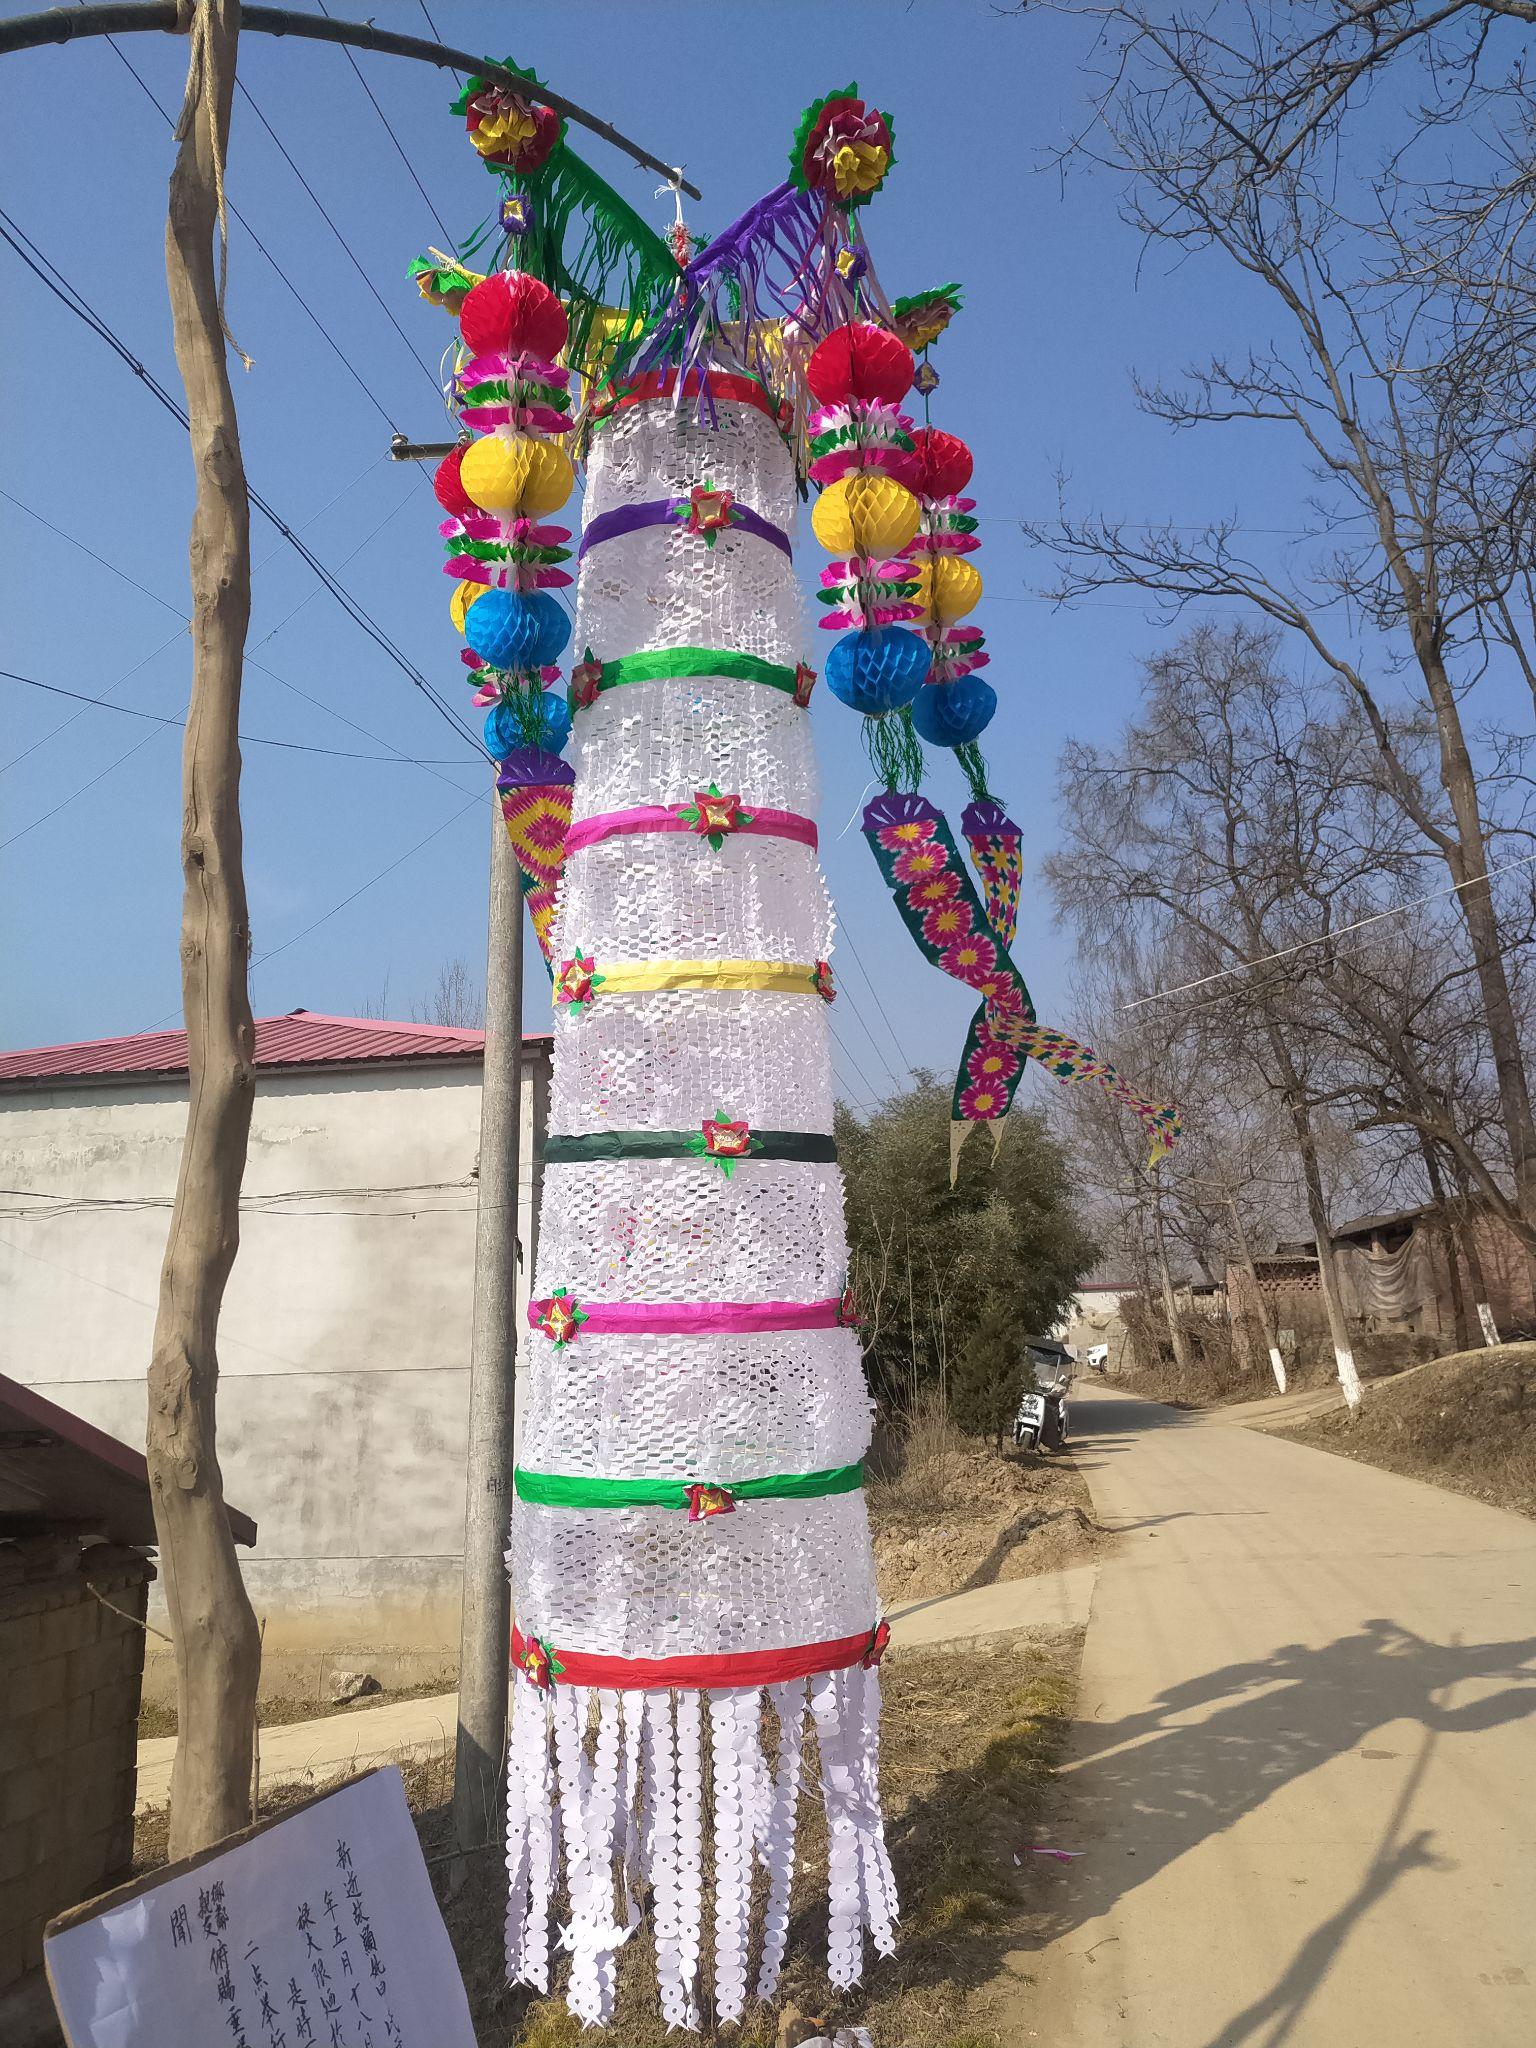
x=315, y=1930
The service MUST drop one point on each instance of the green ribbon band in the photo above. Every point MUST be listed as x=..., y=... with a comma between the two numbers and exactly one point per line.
x=561, y=1490
x=669, y=664
x=799, y=1145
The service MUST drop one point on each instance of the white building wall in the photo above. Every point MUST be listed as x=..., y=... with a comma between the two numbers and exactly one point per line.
x=344, y=1341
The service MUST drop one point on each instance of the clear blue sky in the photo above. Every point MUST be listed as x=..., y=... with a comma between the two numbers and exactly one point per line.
x=1035, y=375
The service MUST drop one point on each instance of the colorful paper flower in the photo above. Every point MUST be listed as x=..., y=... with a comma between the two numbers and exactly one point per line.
x=925, y=379
x=842, y=149
x=919, y=861
x=512, y=131
x=981, y=1102
x=575, y=981
x=559, y=1318
x=538, y=1662
x=586, y=681
x=923, y=317
x=971, y=959
x=848, y=1317
x=723, y=1141
x=910, y=832
x=879, y=1643
x=704, y=1501
x=706, y=511
x=713, y=816
x=821, y=981
x=517, y=214
x=805, y=682
x=993, y=1063
x=947, y=923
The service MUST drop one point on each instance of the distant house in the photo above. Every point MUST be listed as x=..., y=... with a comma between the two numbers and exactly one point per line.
x=344, y=1341
x=1395, y=1275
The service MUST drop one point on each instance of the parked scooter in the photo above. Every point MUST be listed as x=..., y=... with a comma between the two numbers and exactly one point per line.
x=1043, y=1421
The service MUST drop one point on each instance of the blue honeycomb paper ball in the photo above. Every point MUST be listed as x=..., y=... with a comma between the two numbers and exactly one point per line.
x=877, y=670
x=952, y=714
x=517, y=629
x=510, y=726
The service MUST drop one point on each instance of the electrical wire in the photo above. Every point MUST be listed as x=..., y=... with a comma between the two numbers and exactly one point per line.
x=55, y=282
x=902, y=1055
x=389, y=131
x=247, y=739
x=1327, y=938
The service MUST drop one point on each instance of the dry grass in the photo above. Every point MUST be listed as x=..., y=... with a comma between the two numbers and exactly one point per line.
x=1467, y=1422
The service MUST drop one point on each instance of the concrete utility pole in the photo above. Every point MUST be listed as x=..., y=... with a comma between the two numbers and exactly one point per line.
x=486, y=1624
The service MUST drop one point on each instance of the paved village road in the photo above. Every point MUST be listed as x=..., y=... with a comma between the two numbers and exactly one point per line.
x=1304, y=1772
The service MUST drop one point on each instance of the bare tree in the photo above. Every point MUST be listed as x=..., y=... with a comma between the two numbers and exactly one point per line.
x=1389, y=383
x=456, y=997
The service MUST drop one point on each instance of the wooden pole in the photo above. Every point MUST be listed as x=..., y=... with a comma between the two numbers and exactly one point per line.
x=218, y=1653
x=486, y=1617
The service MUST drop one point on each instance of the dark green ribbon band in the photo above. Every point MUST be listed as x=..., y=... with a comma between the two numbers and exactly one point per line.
x=799, y=1145
x=561, y=1490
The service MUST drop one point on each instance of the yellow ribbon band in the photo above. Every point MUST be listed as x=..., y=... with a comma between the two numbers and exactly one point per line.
x=798, y=977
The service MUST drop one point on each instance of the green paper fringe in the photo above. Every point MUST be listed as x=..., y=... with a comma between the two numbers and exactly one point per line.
x=894, y=750
x=974, y=768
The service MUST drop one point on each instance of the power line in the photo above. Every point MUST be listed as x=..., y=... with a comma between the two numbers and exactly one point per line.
x=48, y=275
x=1328, y=938
x=397, y=753
x=427, y=370
x=389, y=131
x=248, y=739
x=901, y=1051
x=116, y=762
x=283, y=278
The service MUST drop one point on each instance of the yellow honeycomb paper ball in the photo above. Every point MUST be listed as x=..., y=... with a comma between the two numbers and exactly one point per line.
x=864, y=514
x=947, y=587
x=517, y=475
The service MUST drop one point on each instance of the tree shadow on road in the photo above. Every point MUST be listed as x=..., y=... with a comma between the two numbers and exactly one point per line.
x=1149, y=1788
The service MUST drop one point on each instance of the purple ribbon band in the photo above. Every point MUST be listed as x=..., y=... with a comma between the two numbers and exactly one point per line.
x=665, y=512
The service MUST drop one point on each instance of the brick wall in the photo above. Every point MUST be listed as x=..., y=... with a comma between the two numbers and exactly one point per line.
x=70, y=1671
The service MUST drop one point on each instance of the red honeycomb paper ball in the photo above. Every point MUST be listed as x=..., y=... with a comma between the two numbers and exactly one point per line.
x=944, y=463
x=511, y=310
x=860, y=361
x=449, y=489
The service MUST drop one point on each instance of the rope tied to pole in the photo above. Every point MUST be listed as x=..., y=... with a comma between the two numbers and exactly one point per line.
x=193, y=18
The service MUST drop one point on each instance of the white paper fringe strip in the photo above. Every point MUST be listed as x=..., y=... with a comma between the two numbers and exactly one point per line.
x=608, y=1789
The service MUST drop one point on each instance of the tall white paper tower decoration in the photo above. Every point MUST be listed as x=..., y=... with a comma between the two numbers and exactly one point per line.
x=689, y=1338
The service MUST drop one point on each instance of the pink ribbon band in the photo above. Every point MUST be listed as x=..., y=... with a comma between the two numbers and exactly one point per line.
x=695, y=1318
x=659, y=818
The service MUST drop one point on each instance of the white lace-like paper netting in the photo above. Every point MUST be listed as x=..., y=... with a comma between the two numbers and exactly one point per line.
x=656, y=743
x=665, y=1061
x=764, y=894
x=641, y=1408
x=608, y=1788
x=642, y=1582
x=676, y=1230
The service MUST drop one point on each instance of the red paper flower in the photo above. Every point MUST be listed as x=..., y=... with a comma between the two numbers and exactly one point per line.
x=947, y=924
x=971, y=959
x=821, y=981
x=981, y=1102
x=909, y=833
x=805, y=682
x=848, y=1316
x=727, y=1141
x=586, y=681
x=707, y=511
x=538, y=1662
x=575, y=982
x=879, y=1643
x=714, y=816
x=920, y=861
x=704, y=1501
x=559, y=1318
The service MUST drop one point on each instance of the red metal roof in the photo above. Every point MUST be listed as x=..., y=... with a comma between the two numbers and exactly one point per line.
x=301, y=1039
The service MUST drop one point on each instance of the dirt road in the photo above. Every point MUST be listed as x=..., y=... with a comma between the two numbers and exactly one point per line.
x=1304, y=1776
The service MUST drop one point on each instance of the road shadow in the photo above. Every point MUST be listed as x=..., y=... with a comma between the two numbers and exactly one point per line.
x=1159, y=1786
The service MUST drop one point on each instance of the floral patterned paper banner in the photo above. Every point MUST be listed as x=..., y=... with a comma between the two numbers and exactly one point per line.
x=537, y=811
x=917, y=855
